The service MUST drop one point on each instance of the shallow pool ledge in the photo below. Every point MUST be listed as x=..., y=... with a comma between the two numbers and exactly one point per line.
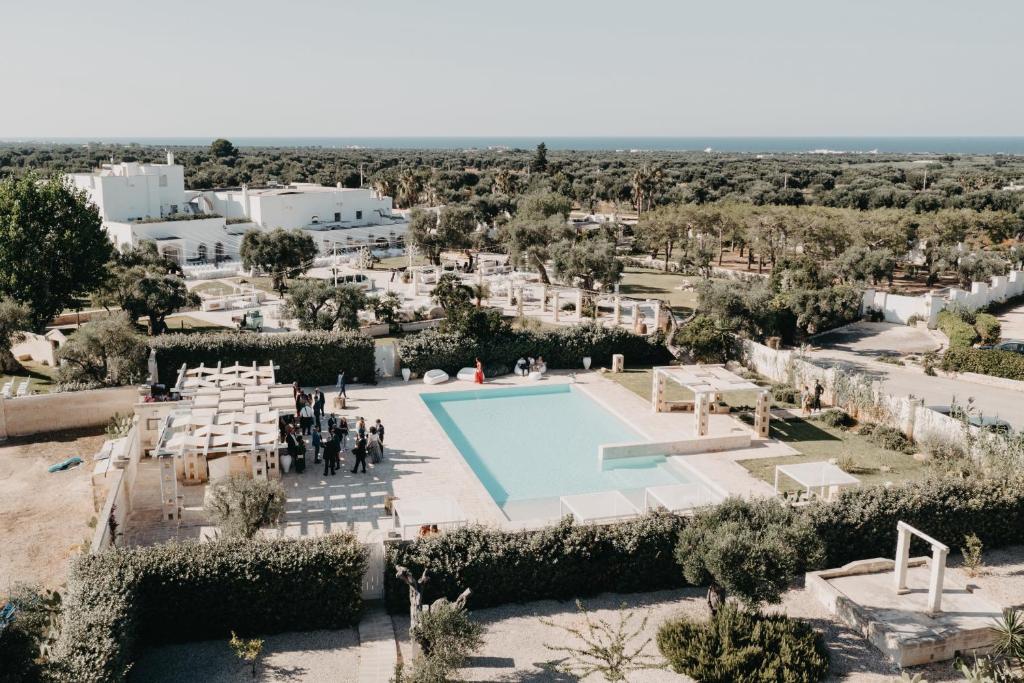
x=646, y=449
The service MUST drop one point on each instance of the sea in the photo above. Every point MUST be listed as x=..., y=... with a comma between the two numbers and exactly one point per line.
x=753, y=145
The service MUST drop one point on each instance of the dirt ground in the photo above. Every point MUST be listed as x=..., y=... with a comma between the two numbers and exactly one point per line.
x=44, y=518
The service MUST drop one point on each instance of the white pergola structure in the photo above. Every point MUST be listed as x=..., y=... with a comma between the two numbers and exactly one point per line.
x=679, y=497
x=708, y=384
x=823, y=476
x=414, y=514
x=219, y=376
x=938, y=565
x=598, y=507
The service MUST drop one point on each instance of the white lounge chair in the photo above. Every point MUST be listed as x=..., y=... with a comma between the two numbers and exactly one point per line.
x=466, y=375
x=6, y=391
x=435, y=377
x=23, y=388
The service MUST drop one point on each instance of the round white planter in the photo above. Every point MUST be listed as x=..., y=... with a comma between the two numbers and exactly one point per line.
x=406, y=374
x=586, y=362
x=286, y=463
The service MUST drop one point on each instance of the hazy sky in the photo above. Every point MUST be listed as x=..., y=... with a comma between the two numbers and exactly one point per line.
x=521, y=67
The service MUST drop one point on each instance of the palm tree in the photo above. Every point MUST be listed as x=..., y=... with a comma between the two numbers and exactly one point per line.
x=409, y=187
x=481, y=291
x=384, y=186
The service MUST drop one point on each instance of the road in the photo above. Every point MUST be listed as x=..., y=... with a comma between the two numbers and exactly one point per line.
x=858, y=348
x=1012, y=322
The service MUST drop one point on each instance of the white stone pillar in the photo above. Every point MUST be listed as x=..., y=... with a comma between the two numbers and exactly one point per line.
x=762, y=415
x=902, y=558
x=657, y=313
x=555, y=305
x=935, y=582
x=701, y=410
x=543, y=297
x=617, y=312
x=509, y=293
x=579, y=305
x=519, y=301
x=657, y=392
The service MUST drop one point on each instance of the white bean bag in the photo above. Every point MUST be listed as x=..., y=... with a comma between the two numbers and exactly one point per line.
x=467, y=375
x=535, y=376
x=435, y=377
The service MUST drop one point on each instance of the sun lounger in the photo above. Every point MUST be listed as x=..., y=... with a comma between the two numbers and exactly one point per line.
x=435, y=377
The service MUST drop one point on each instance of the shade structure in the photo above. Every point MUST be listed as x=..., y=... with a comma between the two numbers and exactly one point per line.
x=412, y=514
x=602, y=506
x=679, y=497
x=815, y=475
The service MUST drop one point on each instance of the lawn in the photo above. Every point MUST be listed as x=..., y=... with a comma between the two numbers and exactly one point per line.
x=186, y=323
x=817, y=442
x=648, y=283
x=400, y=262
x=260, y=282
x=639, y=381
x=42, y=378
x=215, y=289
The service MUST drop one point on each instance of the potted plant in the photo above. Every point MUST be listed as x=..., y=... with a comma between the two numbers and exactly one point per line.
x=286, y=463
x=586, y=362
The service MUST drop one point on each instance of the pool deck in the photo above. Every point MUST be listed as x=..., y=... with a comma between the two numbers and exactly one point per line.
x=420, y=461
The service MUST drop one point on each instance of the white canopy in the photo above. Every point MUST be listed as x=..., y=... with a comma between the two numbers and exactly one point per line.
x=602, y=506
x=413, y=513
x=679, y=497
x=820, y=475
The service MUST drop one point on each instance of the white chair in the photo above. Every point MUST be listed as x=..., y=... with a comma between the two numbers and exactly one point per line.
x=435, y=377
x=6, y=391
x=23, y=388
x=466, y=375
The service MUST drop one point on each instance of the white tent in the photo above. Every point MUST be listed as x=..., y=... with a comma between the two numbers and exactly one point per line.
x=414, y=513
x=823, y=476
x=603, y=506
x=679, y=497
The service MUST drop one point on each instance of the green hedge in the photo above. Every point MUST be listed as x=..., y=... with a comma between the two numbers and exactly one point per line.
x=960, y=332
x=861, y=524
x=558, y=562
x=988, y=327
x=310, y=358
x=124, y=598
x=985, y=362
x=561, y=349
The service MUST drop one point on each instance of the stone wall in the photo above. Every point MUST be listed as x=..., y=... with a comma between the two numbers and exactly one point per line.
x=898, y=309
x=40, y=413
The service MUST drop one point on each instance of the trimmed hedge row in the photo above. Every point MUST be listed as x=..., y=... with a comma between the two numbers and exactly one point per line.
x=985, y=362
x=124, y=598
x=561, y=349
x=558, y=562
x=566, y=561
x=960, y=332
x=309, y=358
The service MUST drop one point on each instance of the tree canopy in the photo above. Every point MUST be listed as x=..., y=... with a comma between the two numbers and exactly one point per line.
x=321, y=305
x=281, y=253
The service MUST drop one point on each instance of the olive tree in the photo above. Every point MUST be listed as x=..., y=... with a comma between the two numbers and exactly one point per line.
x=14, y=318
x=105, y=352
x=320, y=305
x=241, y=505
x=281, y=253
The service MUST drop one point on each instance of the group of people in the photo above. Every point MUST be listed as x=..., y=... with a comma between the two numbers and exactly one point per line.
x=810, y=399
x=524, y=366
x=308, y=421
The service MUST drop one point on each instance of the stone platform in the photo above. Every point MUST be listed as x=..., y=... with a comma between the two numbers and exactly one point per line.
x=863, y=595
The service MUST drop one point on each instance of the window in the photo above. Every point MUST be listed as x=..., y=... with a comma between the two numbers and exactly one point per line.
x=337, y=216
x=359, y=215
x=163, y=180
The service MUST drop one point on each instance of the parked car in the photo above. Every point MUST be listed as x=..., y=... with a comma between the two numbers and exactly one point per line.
x=1011, y=345
x=992, y=424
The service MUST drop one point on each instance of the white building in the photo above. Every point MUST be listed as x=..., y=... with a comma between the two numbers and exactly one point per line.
x=140, y=202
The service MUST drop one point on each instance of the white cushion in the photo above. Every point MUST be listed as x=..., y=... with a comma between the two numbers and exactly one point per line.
x=467, y=374
x=435, y=377
x=535, y=376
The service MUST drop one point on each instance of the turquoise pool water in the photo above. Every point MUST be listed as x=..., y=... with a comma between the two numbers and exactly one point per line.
x=539, y=443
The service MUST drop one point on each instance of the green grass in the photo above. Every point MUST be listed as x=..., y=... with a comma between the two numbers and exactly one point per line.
x=399, y=262
x=647, y=283
x=260, y=282
x=214, y=289
x=186, y=323
x=817, y=442
x=43, y=378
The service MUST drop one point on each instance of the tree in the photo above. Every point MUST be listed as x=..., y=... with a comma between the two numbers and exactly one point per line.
x=540, y=221
x=320, y=305
x=606, y=649
x=386, y=307
x=705, y=340
x=450, y=294
x=221, y=148
x=539, y=162
x=29, y=632
x=434, y=231
x=144, y=284
x=409, y=186
x=240, y=505
x=661, y=229
x=588, y=261
x=53, y=247
x=281, y=253
x=749, y=549
x=106, y=352
x=14, y=318
x=247, y=650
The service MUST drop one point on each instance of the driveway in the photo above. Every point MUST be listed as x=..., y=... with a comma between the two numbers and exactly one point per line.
x=1013, y=323
x=858, y=347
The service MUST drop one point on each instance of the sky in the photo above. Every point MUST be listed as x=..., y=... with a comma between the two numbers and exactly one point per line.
x=119, y=68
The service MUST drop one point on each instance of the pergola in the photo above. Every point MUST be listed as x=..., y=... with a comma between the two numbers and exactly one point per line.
x=427, y=511
x=816, y=475
x=679, y=497
x=708, y=384
x=602, y=506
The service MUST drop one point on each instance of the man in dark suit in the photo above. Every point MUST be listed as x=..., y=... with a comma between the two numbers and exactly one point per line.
x=360, y=453
x=332, y=455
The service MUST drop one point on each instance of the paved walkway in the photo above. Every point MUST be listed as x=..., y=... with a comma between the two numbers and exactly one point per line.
x=1013, y=323
x=378, y=652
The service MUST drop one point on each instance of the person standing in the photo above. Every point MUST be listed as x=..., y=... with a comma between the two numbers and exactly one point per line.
x=343, y=431
x=361, y=429
x=291, y=442
x=332, y=456
x=380, y=432
x=360, y=453
x=478, y=376
x=317, y=441
x=818, y=391
x=340, y=386
x=306, y=418
x=318, y=407
x=521, y=367
x=373, y=447
x=805, y=401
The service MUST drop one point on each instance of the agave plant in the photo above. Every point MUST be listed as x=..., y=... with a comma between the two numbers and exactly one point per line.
x=1009, y=632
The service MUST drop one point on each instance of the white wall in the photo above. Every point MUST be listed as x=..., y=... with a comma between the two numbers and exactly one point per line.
x=189, y=235
x=129, y=190
x=898, y=309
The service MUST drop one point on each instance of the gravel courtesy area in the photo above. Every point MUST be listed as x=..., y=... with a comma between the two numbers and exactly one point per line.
x=315, y=656
x=514, y=648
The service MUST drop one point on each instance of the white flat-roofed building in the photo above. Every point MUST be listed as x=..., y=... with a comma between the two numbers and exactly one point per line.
x=131, y=191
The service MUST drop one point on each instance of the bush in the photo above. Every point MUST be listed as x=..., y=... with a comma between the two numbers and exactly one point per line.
x=889, y=438
x=561, y=349
x=123, y=598
x=25, y=637
x=835, y=417
x=705, y=340
x=988, y=327
x=241, y=505
x=783, y=393
x=739, y=646
x=309, y=358
x=985, y=362
x=861, y=524
x=447, y=636
x=960, y=332
x=557, y=562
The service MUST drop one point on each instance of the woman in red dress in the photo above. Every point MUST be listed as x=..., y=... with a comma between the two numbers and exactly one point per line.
x=479, y=376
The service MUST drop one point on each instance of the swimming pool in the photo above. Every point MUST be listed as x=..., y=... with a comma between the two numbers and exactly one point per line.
x=530, y=445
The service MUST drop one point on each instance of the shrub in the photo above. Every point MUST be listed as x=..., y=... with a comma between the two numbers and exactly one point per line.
x=960, y=332
x=835, y=417
x=889, y=438
x=559, y=562
x=309, y=358
x=24, y=639
x=447, y=636
x=972, y=551
x=123, y=598
x=783, y=393
x=861, y=524
x=561, y=349
x=736, y=645
x=749, y=549
x=241, y=505
x=988, y=327
x=103, y=352
x=985, y=362
x=705, y=340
